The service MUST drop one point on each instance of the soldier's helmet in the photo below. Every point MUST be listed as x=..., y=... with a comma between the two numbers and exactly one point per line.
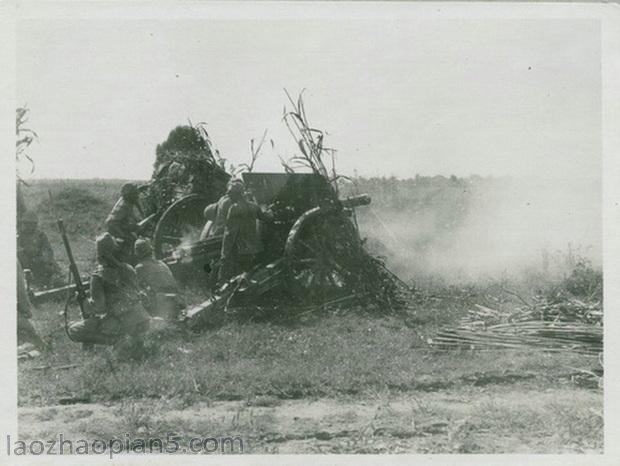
x=129, y=191
x=236, y=189
x=106, y=246
x=210, y=212
x=143, y=249
x=234, y=184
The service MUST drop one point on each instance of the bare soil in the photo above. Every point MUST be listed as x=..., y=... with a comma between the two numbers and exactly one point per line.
x=470, y=419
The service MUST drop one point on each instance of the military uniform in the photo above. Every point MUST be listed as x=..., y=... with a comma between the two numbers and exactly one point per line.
x=217, y=213
x=26, y=332
x=221, y=212
x=114, y=309
x=209, y=216
x=156, y=280
x=241, y=242
x=122, y=222
x=35, y=253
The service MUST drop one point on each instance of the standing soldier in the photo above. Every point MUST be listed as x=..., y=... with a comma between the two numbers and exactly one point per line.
x=241, y=241
x=35, y=252
x=210, y=213
x=122, y=223
x=217, y=212
x=25, y=330
x=155, y=280
x=215, y=216
x=114, y=311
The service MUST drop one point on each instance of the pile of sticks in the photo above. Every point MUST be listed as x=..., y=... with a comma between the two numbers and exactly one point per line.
x=568, y=310
x=560, y=325
x=482, y=317
x=548, y=336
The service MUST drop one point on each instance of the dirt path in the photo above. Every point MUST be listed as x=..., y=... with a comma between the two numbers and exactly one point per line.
x=499, y=419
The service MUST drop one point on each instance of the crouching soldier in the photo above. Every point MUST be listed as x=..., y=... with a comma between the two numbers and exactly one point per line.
x=114, y=314
x=155, y=280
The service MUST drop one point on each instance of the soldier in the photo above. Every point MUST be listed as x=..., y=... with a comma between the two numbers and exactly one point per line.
x=215, y=216
x=114, y=311
x=156, y=281
x=122, y=223
x=209, y=214
x=26, y=332
x=217, y=212
x=35, y=253
x=241, y=241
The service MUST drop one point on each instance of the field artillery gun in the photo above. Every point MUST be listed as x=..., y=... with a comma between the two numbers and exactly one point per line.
x=311, y=249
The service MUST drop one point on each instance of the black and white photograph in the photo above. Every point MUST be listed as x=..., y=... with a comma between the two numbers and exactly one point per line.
x=307, y=228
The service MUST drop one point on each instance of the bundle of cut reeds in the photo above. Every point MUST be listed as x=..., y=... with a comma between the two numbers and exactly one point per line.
x=547, y=336
x=568, y=310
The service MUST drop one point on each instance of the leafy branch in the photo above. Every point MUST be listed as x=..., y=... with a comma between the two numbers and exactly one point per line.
x=24, y=137
x=255, y=151
x=309, y=140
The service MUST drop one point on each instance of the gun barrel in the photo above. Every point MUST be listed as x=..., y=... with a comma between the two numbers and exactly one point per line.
x=355, y=201
x=54, y=293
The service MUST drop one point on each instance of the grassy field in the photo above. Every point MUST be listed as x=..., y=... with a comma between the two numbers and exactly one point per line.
x=339, y=381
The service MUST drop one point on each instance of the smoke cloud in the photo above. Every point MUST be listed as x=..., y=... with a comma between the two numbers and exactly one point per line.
x=468, y=229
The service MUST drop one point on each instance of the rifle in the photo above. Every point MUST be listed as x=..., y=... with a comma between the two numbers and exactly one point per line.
x=145, y=221
x=42, y=296
x=79, y=286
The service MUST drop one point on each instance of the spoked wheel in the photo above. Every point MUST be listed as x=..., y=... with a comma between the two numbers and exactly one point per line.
x=323, y=259
x=179, y=225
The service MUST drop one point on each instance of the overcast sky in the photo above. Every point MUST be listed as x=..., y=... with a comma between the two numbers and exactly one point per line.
x=397, y=97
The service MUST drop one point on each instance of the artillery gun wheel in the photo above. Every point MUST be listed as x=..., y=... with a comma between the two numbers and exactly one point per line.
x=324, y=257
x=181, y=223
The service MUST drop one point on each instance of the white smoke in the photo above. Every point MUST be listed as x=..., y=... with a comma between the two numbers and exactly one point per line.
x=506, y=226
